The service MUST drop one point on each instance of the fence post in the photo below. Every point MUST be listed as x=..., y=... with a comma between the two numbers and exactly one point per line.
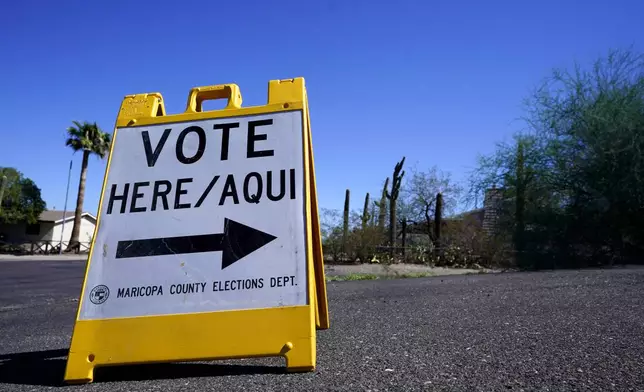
x=404, y=239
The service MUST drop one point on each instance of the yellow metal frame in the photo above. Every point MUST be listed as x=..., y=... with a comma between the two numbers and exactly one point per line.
x=285, y=331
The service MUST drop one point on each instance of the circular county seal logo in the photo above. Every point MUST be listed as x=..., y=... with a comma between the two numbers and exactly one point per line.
x=99, y=294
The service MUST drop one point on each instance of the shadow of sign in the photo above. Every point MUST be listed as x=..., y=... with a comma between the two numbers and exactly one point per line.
x=47, y=368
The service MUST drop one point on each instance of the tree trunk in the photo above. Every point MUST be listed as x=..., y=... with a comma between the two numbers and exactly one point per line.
x=3, y=185
x=519, y=244
x=74, y=243
x=428, y=223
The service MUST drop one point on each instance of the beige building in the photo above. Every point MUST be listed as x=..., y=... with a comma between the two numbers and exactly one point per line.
x=46, y=233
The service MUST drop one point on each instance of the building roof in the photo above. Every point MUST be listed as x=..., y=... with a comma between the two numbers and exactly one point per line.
x=57, y=216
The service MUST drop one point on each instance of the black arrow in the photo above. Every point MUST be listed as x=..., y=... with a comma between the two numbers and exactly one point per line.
x=236, y=242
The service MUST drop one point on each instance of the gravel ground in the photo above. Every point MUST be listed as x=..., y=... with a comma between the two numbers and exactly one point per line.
x=543, y=331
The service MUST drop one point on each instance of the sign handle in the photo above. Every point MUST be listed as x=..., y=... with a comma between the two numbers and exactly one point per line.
x=221, y=91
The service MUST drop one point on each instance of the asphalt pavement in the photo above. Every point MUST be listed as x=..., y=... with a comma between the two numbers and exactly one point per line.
x=540, y=331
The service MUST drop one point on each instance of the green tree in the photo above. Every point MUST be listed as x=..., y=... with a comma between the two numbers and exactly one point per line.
x=419, y=197
x=21, y=201
x=574, y=181
x=91, y=140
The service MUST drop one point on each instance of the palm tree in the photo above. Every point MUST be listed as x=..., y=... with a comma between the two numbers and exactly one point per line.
x=90, y=139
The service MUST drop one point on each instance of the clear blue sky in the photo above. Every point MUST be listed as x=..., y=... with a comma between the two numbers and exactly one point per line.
x=436, y=81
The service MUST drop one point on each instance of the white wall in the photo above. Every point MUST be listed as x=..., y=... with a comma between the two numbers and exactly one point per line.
x=85, y=235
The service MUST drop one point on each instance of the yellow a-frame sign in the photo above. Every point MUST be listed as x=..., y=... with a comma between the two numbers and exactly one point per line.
x=207, y=243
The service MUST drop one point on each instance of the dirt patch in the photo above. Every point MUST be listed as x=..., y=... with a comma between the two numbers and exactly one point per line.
x=402, y=270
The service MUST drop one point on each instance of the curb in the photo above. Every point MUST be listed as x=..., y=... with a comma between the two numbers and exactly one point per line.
x=8, y=258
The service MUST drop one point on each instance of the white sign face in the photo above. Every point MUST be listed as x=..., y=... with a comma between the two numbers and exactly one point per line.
x=201, y=216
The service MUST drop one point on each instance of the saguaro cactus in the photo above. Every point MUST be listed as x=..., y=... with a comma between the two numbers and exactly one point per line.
x=438, y=217
x=382, y=207
x=365, y=223
x=345, y=227
x=393, y=197
x=365, y=213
